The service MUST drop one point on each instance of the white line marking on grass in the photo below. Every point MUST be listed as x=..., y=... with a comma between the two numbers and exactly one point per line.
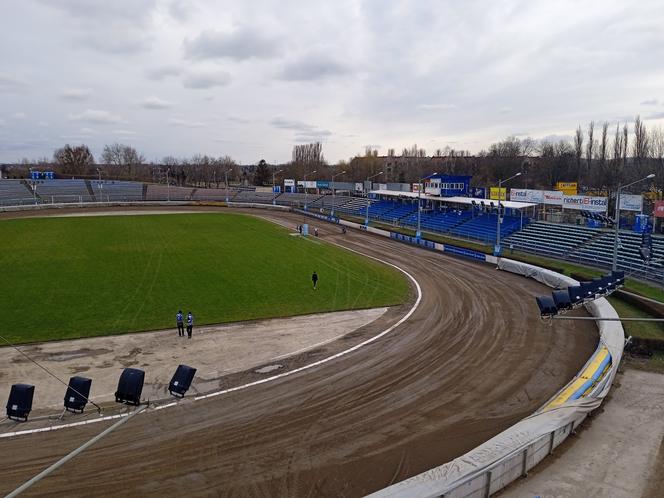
x=262, y=381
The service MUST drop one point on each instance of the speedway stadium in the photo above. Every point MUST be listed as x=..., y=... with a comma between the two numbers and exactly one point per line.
x=419, y=368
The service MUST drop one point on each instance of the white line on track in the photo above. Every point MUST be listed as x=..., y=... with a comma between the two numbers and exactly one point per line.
x=262, y=381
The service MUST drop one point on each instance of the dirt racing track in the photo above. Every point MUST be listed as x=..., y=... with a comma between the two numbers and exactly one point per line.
x=472, y=359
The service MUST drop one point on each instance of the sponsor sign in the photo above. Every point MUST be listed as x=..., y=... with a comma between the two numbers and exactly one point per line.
x=289, y=183
x=359, y=187
x=382, y=186
x=478, y=192
x=586, y=203
x=498, y=193
x=658, y=210
x=567, y=188
x=629, y=202
x=322, y=184
x=551, y=197
x=308, y=184
x=416, y=187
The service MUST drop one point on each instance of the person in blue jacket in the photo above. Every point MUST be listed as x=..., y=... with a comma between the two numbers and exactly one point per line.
x=190, y=324
x=179, y=319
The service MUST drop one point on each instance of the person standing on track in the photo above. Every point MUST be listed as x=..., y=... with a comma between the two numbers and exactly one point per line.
x=179, y=319
x=190, y=324
x=314, y=279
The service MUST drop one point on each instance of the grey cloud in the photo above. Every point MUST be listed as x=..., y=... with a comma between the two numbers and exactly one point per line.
x=657, y=115
x=76, y=94
x=315, y=136
x=240, y=44
x=155, y=103
x=185, y=123
x=650, y=102
x=288, y=124
x=312, y=67
x=162, y=72
x=436, y=107
x=96, y=116
x=505, y=110
x=203, y=80
x=181, y=10
x=304, y=132
x=10, y=84
x=119, y=27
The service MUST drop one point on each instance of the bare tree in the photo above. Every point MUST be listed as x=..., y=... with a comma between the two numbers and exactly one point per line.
x=578, y=149
x=640, y=148
x=74, y=160
x=590, y=145
x=603, y=177
x=122, y=159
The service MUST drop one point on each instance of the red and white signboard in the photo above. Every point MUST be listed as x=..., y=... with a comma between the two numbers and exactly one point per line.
x=551, y=197
x=659, y=209
x=586, y=203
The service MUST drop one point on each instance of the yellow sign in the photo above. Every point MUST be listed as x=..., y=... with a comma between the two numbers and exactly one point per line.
x=567, y=188
x=493, y=193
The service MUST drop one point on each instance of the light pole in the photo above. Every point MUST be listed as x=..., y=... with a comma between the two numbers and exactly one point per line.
x=226, y=182
x=100, y=186
x=500, y=194
x=305, y=188
x=333, y=177
x=274, y=192
x=168, y=184
x=418, y=234
x=614, y=266
x=366, y=219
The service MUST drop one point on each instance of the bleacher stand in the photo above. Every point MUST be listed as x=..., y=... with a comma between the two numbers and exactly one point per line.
x=591, y=246
x=15, y=193
x=253, y=196
x=297, y=199
x=213, y=194
x=118, y=191
x=158, y=192
x=63, y=191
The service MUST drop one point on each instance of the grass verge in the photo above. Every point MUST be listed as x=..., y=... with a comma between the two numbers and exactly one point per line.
x=87, y=276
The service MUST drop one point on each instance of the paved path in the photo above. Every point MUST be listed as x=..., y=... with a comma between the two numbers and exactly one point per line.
x=614, y=455
x=215, y=351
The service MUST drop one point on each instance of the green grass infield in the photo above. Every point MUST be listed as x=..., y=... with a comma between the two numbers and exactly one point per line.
x=89, y=276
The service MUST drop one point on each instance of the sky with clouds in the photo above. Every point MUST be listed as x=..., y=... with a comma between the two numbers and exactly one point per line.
x=252, y=79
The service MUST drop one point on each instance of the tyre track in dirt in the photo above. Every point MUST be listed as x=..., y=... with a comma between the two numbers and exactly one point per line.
x=473, y=359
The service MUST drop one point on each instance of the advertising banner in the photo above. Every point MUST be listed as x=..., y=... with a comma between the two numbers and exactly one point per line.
x=585, y=203
x=496, y=192
x=308, y=184
x=629, y=202
x=658, y=211
x=322, y=184
x=382, y=186
x=567, y=188
x=550, y=197
x=416, y=187
x=478, y=192
x=289, y=182
x=359, y=187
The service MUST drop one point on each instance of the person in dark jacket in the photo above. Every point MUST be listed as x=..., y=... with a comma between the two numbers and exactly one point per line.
x=179, y=320
x=190, y=324
x=314, y=279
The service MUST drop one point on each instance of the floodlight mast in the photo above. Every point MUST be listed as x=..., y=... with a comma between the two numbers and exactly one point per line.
x=614, y=265
x=500, y=193
x=369, y=178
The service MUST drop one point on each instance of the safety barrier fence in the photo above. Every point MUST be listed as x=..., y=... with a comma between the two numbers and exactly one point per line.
x=495, y=464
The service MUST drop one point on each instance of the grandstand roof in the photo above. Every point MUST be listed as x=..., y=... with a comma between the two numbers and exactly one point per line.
x=453, y=200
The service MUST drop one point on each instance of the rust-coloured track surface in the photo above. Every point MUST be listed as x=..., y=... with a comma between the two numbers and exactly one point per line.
x=473, y=359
